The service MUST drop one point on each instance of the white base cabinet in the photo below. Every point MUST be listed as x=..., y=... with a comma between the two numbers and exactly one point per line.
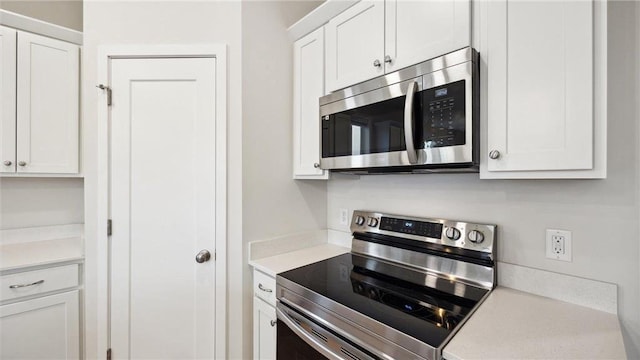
x=41, y=328
x=264, y=330
x=544, y=88
x=264, y=316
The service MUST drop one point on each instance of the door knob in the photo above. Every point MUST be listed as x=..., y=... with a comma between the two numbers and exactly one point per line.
x=203, y=256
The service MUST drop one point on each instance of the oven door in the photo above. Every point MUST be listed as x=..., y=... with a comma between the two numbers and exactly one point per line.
x=299, y=337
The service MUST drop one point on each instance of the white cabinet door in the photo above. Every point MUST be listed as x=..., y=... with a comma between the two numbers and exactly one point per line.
x=264, y=330
x=354, y=42
x=308, y=87
x=416, y=31
x=7, y=100
x=540, y=85
x=42, y=328
x=47, y=105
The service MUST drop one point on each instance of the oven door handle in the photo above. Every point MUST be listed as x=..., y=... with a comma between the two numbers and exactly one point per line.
x=408, y=122
x=308, y=338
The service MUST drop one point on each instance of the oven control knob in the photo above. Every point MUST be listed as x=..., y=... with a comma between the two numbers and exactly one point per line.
x=359, y=220
x=373, y=222
x=452, y=233
x=476, y=236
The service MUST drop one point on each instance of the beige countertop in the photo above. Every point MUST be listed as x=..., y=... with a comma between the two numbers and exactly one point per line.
x=512, y=324
x=36, y=253
x=275, y=264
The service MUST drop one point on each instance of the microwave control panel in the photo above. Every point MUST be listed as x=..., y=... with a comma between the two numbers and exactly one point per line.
x=444, y=115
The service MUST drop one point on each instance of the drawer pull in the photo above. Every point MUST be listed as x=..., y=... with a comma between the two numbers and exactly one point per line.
x=264, y=288
x=26, y=285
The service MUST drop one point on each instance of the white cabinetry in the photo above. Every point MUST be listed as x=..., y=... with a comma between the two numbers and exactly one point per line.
x=308, y=87
x=40, y=314
x=375, y=37
x=7, y=100
x=40, y=135
x=41, y=328
x=264, y=316
x=545, y=89
x=264, y=330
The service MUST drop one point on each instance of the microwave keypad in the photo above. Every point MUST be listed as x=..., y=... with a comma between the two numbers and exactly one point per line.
x=444, y=118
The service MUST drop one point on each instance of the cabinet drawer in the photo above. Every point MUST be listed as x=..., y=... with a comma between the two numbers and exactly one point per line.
x=38, y=281
x=264, y=286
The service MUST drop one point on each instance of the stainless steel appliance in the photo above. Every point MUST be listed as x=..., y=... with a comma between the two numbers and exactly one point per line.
x=423, y=118
x=402, y=293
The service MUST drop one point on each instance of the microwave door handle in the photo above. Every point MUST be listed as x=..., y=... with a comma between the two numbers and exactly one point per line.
x=408, y=123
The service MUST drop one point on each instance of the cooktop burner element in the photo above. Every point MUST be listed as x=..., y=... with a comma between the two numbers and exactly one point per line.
x=405, y=289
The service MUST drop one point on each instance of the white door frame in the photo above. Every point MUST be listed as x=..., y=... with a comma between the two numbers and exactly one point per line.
x=101, y=246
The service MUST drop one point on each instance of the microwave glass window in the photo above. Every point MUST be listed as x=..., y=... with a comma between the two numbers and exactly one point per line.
x=444, y=115
x=375, y=128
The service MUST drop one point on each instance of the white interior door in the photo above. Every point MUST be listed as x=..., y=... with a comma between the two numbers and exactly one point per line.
x=163, y=208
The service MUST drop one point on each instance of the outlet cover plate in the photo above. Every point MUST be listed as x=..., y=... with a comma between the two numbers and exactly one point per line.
x=558, y=244
x=344, y=217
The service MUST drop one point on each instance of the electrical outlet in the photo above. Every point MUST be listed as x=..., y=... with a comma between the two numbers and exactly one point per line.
x=559, y=244
x=344, y=217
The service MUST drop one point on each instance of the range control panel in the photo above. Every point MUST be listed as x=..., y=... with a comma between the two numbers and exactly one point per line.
x=478, y=237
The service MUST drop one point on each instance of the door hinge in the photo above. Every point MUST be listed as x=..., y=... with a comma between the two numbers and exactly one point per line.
x=108, y=354
x=108, y=90
x=109, y=227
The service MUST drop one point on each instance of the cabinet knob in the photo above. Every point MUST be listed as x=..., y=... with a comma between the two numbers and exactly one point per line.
x=7, y=163
x=494, y=154
x=273, y=322
x=22, y=163
x=377, y=63
x=316, y=165
x=387, y=59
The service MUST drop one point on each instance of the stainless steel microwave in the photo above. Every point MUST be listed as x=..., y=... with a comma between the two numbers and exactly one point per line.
x=423, y=118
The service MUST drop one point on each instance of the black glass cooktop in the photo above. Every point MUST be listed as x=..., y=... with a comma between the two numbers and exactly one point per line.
x=423, y=312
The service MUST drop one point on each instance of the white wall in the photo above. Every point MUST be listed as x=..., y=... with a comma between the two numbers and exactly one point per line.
x=273, y=203
x=166, y=22
x=30, y=202
x=602, y=214
x=67, y=13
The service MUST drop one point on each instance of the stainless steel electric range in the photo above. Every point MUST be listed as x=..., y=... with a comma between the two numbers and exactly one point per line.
x=405, y=289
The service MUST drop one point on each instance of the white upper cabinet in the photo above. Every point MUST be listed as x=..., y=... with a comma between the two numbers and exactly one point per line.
x=308, y=87
x=374, y=37
x=544, y=82
x=7, y=100
x=420, y=30
x=355, y=45
x=47, y=105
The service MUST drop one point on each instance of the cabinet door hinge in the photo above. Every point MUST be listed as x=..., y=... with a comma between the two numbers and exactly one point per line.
x=109, y=227
x=108, y=90
x=108, y=354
